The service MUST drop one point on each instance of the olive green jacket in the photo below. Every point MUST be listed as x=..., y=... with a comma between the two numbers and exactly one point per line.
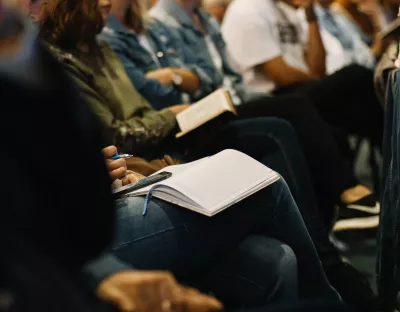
x=101, y=78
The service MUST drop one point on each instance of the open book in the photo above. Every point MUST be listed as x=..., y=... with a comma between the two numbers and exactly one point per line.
x=210, y=185
x=208, y=108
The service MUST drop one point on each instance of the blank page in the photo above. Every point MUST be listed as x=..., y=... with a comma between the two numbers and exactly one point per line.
x=220, y=177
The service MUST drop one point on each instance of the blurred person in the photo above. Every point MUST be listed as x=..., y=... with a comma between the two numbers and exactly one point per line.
x=356, y=51
x=216, y=8
x=49, y=234
x=367, y=16
x=287, y=62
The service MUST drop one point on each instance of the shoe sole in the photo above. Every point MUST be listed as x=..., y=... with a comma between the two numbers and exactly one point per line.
x=372, y=210
x=356, y=224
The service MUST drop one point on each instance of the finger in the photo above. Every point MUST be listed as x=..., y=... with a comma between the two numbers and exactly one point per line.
x=116, y=164
x=109, y=151
x=119, y=299
x=193, y=300
x=118, y=173
x=130, y=179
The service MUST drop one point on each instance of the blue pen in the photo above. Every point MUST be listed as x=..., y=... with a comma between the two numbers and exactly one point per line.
x=124, y=156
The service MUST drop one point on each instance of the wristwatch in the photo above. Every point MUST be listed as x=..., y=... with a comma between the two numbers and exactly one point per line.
x=177, y=80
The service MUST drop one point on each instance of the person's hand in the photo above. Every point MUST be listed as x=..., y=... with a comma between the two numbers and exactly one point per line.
x=116, y=168
x=153, y=291
x=178, y=108
x=163, y=75
x=132, y=177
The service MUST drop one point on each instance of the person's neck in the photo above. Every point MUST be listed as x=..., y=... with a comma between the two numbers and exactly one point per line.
x=119, y=15
x=189, y=7
x=83, y=47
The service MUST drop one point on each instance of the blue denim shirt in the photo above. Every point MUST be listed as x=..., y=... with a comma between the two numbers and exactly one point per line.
x=170, y=53
x=172, y=14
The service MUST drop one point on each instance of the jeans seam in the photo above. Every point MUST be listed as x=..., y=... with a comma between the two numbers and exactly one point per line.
x=243, y=278
x=150, y=236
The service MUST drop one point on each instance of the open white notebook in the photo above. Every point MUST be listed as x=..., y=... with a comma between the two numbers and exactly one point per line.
x=210, y=185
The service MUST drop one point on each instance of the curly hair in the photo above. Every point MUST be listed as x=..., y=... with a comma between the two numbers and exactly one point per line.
x=66, y=23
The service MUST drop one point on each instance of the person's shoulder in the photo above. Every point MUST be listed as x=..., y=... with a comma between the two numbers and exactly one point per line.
x=248, y=10
x=61, y=55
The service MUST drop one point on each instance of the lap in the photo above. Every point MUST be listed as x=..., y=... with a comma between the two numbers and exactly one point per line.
x=173, y=238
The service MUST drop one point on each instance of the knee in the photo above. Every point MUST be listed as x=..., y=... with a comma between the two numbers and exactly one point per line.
x=278, y=128
x=275, y=267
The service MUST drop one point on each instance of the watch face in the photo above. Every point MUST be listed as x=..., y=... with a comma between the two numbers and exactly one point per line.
x=177, y=79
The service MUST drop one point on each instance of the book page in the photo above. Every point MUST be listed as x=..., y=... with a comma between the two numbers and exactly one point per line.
x=204, y=110
x=221, y=178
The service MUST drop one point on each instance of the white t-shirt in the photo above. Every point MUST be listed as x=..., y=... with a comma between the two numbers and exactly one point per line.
x=257, y=31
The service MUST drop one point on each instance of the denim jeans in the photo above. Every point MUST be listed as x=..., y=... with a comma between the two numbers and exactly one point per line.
x=273, y=142
x=192, y=246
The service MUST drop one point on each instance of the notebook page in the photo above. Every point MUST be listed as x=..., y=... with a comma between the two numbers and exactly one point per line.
x=224, y=175
x=204, y=110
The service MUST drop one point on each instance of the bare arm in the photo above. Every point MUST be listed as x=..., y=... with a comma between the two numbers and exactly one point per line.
x=283, y=74
x=315, y=56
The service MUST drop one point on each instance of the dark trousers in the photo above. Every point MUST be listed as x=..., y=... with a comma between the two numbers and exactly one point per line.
x=330, y=170
x=346, y=99
x=196, y=247
x=273, y=142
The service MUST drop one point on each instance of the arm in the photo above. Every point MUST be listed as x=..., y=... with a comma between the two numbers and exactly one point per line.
x=283, y=74
x=315, y=55
x=158, y=94
x=147, y=129
x=165, y=76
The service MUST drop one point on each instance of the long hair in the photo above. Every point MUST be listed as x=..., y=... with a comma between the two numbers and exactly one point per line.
x=66, y=23
x=134, y=16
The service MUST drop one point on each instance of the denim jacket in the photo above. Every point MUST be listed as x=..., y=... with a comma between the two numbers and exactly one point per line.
x=169, y=52
x=172, y=14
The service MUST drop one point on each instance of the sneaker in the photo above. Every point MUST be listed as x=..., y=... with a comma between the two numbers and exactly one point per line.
x=353, y=287
x=362, y=214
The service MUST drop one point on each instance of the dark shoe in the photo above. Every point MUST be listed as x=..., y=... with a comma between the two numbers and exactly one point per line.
x=362, y=214
x=353, y=287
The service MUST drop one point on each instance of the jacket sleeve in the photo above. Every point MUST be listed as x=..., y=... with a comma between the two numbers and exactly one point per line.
x=187, y=58
x=136, y=134
x=159, y=95
x=97, y=270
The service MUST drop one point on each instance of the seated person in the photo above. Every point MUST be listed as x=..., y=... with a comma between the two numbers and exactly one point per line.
x=128, y=39
x=65, y=218
x=345, y=99
x=338, y=26
x=76, y=239
x=132, y=122
x=175, y=231
x=367, y=16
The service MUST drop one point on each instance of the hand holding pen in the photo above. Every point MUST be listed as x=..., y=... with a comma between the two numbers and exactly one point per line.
x=116, y=164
